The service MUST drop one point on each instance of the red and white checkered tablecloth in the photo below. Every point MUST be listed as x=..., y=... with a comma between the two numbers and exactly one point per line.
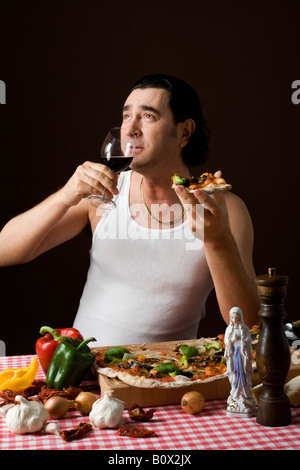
x=175, y=430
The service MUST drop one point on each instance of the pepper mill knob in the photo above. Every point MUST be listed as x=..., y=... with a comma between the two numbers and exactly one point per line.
x=273, y=352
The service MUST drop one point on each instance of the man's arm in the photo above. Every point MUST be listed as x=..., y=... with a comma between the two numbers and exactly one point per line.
x=39, y=229
x=58, y=218
x=228, y=244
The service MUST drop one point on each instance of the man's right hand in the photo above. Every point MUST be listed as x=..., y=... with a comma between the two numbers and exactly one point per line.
x=89, y=178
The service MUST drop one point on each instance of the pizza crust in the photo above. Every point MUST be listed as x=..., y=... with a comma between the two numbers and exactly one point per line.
x=210, y=189
x=141, y=382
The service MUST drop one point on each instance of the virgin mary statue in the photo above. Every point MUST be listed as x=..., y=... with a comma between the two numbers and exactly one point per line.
x=238, y=355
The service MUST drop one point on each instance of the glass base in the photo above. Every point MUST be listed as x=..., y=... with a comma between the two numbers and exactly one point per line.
x=101, y=202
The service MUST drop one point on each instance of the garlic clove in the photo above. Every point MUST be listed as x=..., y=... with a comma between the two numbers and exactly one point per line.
x=52, y=428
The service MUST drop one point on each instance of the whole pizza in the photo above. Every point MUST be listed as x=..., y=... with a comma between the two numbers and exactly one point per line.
x=188, y=362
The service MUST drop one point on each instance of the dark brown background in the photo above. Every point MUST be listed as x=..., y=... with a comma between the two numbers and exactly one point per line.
x=68, y=67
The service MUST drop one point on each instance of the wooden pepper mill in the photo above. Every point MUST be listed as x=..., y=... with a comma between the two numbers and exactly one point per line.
x=272, y=353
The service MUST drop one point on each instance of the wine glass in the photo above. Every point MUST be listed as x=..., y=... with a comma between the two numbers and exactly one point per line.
x=117, y=153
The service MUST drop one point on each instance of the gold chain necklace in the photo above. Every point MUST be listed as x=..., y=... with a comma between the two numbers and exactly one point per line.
x=172, y=222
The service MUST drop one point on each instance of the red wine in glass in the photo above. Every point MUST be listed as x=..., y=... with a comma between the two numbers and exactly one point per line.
x=116, y=153
x=117, y=163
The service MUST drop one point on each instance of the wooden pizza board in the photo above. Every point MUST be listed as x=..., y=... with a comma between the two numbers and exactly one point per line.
x=216, y=389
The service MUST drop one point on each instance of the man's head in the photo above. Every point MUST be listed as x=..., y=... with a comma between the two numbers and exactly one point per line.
x=184, y=103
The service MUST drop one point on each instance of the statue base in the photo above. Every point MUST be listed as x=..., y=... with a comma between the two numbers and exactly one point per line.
x=248, y=414
x=240, y=407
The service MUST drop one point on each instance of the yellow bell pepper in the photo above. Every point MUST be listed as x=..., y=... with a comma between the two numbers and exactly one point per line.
x=19, y=379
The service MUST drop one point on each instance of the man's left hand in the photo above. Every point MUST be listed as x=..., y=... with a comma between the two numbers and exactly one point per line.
x=209, y=221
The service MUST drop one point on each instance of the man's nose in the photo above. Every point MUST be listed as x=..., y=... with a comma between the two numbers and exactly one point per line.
x=133, y=131
x=132, y=128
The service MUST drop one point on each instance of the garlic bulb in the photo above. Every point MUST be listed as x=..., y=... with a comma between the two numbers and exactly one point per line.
x=4, y=409
x=26, y=417
x=107, y=411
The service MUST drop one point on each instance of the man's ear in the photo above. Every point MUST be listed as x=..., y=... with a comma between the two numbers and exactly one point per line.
x=187, y=130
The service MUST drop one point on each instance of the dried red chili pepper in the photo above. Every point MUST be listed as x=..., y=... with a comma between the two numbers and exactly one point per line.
x=77, y=432
x=46, y=393
x=136, y=413
x=8, y=396
x=135, y=431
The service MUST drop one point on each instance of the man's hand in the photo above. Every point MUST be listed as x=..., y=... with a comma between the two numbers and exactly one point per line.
x=228, y=244
x=213, y=219
x=89, y=178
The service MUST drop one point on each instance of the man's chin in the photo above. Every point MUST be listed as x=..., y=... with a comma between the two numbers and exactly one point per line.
x=138, y=165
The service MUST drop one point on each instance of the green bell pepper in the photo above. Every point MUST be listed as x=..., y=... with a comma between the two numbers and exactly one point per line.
x=188, y=352
x=70, y=363
x=213, y=345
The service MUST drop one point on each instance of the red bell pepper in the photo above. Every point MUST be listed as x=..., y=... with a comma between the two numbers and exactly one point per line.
x=45, y=347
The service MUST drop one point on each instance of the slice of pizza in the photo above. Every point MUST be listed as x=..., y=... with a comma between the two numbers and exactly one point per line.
x=206, y=182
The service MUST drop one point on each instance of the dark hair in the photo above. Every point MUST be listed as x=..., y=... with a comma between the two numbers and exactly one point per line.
x=185, y=104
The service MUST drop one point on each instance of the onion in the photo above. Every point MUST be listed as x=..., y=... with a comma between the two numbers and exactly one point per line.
x=84, y=402
x=192, y=402
x=57, y=407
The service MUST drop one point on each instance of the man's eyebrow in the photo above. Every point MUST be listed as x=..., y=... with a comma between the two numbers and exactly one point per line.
x=144, y=107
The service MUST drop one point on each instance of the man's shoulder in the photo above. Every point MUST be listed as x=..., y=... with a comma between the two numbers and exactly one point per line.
x=239, y=216
x=238, y=212
x=234, y=202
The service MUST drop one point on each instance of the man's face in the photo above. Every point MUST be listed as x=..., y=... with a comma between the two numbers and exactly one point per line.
x=147, y=113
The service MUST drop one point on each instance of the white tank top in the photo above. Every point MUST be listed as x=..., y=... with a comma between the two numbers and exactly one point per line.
x=143, y=284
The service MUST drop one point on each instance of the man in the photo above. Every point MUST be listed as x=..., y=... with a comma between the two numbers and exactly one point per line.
x=148, y=286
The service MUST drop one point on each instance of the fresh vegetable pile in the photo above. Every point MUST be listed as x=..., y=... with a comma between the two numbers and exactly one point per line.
x=29, y=405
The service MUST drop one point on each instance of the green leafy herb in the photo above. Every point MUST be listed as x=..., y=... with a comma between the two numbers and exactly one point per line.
x=167, y=368
x=115, y=354
x=188, y=351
